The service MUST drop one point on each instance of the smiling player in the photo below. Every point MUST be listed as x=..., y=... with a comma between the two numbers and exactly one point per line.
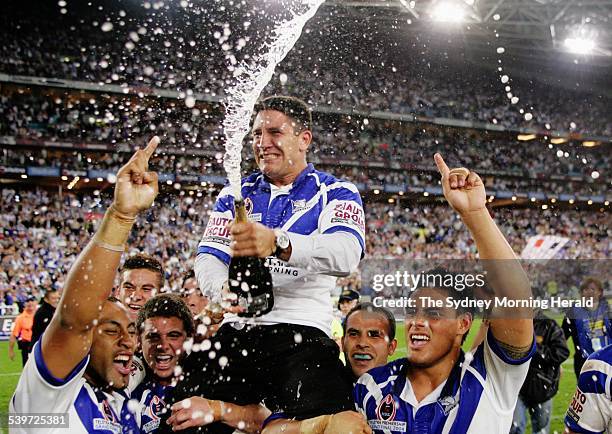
x=82, y=363
x=438, y=388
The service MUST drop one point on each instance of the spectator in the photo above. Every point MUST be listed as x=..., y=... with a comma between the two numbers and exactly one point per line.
x=22, y=332
x=542, y=382
x=589, y=327
x=44, y=313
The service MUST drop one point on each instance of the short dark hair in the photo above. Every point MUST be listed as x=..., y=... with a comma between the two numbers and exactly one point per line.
x=189, y=274
x=140, y=261
x=440, y=275
x=166, y=306
x=373, y=309
x=49, y=292
x=467, y=293
x=290, y=106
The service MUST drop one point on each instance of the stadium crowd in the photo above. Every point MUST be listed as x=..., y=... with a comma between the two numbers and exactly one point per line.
x=141, y=55
x=508, y=164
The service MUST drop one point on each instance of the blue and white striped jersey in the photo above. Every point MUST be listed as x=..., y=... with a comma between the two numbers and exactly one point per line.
x=311, y=209
x=591, y=408
x=478, y=397
x=153, y=398
x=88, y=410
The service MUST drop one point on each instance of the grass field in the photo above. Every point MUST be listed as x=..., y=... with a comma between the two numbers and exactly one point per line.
x=9, y=375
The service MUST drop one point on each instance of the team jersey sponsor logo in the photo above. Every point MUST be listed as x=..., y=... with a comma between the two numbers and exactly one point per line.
x=106, y=425
x=577, y=405
x=386, y=409
x=151, y=426
x=387, y=425
x=348, y=212
x=216, y=230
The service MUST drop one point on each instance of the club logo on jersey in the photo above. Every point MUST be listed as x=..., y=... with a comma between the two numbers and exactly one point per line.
x=107, y=412
x=298, y=205
x=249, y=207
x=386, y=409
x=447, y=403
x=156, y=407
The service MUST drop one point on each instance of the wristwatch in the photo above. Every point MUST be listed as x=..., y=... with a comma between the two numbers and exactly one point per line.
x=281, y=240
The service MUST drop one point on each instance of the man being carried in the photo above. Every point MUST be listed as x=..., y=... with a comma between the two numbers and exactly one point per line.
x=310, y=226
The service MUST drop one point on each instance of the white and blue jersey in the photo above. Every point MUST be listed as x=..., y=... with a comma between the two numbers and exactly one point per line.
x=478, y=397
x=324, y=219
x=89, y=410
x=152, y=398
x=591, y=408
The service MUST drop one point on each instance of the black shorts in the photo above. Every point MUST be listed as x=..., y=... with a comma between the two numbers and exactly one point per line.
x=292, y=369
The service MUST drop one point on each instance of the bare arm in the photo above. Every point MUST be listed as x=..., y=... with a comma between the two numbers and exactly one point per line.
x=11, y=349
x=197, y=411
x=68, y=338
x=465, y=192
x=346, y=422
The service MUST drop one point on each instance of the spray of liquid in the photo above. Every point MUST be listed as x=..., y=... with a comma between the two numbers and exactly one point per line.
x=250, y=80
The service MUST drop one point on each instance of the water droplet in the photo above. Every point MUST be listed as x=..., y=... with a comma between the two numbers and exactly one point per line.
x=107, y=26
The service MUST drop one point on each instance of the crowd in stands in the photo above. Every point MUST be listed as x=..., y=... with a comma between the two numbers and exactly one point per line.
x=529, y=165
x=143, y=54
x=42, y=233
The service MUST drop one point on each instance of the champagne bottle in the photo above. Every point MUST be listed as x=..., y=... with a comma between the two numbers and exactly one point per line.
x=250, y=278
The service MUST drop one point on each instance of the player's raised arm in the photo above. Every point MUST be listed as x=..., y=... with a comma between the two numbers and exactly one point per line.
x=90, y=280
x=465, y=192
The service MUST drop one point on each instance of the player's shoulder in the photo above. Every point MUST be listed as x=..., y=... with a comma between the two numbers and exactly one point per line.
x=600, y=361
x=605, y=354
x=330, y=180
x=251, y=179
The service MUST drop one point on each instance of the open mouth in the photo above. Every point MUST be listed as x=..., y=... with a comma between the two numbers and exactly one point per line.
x=162, y=361
x=362, y=357
x=123, y=364
x=419, y=340
x=134, y=307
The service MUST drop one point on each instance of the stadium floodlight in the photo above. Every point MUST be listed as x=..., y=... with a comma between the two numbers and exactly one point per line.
x=590, y=143
x=580, y=45
x=558, y=140
x=448, y=12
x=526, y=137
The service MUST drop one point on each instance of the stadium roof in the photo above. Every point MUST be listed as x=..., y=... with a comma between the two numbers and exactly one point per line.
x=533, y=31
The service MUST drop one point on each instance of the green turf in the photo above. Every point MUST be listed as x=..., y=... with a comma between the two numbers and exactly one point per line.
x=9, y=371
x=9, y=375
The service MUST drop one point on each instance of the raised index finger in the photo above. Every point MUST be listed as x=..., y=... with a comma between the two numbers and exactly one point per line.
x=151, y=147
x=442, y=167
